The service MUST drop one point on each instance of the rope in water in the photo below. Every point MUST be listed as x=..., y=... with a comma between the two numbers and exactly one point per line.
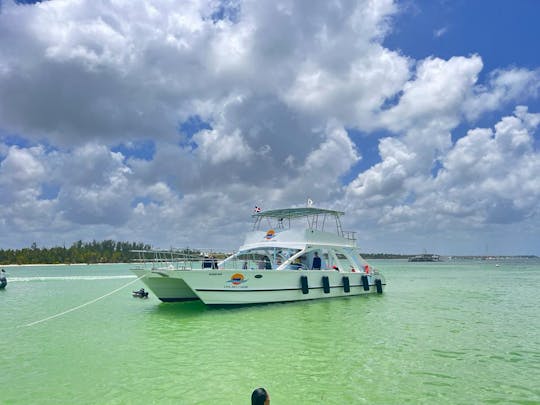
x=82, y=305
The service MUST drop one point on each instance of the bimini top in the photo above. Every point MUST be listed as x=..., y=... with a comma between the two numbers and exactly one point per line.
x=315, y=218
x=290, y=213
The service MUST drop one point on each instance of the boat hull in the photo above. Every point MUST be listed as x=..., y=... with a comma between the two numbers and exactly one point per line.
x=166, y=287
x=233, y=287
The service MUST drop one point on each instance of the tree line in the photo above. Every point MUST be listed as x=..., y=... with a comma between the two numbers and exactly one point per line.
x=107, y=251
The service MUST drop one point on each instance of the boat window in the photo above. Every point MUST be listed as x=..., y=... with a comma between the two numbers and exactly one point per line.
x=262, y=258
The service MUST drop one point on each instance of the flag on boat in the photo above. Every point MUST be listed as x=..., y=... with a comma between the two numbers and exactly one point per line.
x=257, y=209
x=309, y=202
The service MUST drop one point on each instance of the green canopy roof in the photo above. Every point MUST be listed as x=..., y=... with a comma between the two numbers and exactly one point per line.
x=296, y=213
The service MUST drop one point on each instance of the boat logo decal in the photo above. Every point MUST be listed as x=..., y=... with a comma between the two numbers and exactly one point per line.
x=237, y=279
x=270, y=234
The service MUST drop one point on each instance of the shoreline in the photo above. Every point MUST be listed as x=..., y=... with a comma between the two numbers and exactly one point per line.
x=58, y=264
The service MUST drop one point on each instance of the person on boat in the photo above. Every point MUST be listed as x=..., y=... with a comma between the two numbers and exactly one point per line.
x=260, y=397
x=296, y=265
x=316, y=262
x=207, y=263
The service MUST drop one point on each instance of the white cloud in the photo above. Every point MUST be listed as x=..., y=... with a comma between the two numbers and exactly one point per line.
x=23, y=172
x=22, y=166
x=386, y=180
x=277, y=84
x=353, y=94
x=94, y=186
x=436, y=92
x=217, y=147
x=504, y=86
x=500, y=169
x=488, y=178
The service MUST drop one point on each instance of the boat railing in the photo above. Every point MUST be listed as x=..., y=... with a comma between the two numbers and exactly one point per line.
x=163, y=260
x=350, y=235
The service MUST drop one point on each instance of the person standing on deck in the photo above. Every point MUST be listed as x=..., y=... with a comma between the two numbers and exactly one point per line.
x=316, y=262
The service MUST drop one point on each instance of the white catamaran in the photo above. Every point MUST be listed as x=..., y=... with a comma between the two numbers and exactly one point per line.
x=290, y=255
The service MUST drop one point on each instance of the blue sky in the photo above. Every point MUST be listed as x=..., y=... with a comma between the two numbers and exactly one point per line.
x=168, y=122
x=499, y=31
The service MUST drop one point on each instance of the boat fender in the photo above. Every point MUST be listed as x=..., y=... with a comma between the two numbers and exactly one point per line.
x=365, y=283
x=378, y=285
x=326, y=284
x=304, y=284
x=346, y=284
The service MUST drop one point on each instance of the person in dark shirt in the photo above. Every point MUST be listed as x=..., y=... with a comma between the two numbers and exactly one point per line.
x=316, y=262
x=206, y=264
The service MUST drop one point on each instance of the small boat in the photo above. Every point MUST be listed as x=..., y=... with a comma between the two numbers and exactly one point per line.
x=140, y=293
x=3, y=279
x=291, y=254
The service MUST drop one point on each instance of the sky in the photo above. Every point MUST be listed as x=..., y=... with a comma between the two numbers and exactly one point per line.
x=168, y=122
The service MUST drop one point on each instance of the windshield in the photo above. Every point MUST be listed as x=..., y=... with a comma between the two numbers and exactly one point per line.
x=260, y=258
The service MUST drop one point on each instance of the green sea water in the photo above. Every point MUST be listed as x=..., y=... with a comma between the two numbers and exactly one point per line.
x=457, y=332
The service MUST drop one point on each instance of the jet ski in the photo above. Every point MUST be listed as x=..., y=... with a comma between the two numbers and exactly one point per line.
x=140, y=293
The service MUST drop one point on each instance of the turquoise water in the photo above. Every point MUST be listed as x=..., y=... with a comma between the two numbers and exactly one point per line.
x=442, y=333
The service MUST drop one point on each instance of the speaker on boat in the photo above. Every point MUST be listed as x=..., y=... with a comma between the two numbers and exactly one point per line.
x=326, y=284
x=365, y=283
x=346, y=284
x=304, y=284
x=378, y=284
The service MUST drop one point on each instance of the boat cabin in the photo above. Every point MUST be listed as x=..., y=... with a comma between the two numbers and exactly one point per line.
x=298, y=239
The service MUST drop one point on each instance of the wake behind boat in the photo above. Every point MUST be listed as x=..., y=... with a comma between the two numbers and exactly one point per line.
x=290, y=255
